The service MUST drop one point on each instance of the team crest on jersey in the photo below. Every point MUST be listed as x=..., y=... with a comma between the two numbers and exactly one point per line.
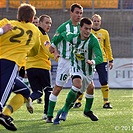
x=79, y=56
x=100, y=34
x=46, y=43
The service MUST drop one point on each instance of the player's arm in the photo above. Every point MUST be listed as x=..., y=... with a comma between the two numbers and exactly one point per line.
x=5, y=28
x=97, y=52
x=57, y=38
x=108, y=50
x=68, y=36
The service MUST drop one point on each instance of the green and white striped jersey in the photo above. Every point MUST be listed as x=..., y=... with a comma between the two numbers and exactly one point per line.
x=83, y=50
x=63, y=46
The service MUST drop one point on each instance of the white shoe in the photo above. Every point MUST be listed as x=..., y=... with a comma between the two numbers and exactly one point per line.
x=29, y=105
x=44, y=117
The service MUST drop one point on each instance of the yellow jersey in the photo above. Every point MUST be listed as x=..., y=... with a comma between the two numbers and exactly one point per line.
x=22, y=41
x=104, y=40
x=42, y=59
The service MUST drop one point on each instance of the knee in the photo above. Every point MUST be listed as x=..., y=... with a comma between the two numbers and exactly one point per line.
x=25, y=93
x=56, y=90
x=104, y=82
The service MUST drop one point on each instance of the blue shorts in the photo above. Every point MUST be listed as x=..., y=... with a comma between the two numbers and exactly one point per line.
x=8, y=73
x=21, y=88
x=102, y=70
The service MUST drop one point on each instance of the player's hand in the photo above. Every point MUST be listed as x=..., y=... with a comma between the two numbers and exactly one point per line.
x=111, y=65
x=56, y=55
x=7, y=27
x=89, y=62
x=51, y=49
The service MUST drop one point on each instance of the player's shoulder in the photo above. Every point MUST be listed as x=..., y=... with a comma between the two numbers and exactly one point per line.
x=92, y=35
x=4, y=21
x=93, y=38
x=103, y=30
x=63, y=25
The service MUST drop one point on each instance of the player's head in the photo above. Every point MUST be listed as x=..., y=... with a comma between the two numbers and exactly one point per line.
x=45, y=22
x=76, y=12
x=26, y=12
x=96, y=18
x=85, y=27
x=36, y=21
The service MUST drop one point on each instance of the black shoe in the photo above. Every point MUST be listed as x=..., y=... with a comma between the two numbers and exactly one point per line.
x=49, y=119
x=92, y=116
x=7, y=122
x=107, y=106
x=77, y=105
x=39, y=100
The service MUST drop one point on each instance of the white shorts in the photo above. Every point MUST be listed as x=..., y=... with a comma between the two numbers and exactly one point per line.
x=63, y=71
x=86, y=80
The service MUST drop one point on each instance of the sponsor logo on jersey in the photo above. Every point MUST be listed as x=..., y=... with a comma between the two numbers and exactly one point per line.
x=79, y=56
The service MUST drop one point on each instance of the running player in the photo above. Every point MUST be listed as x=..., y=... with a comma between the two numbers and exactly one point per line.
x=22, y=41
x=38, y=67
x=86, y=53
x=102, y=69
x=62, y=75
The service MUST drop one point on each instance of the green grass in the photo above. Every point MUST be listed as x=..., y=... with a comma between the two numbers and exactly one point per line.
x=117, y=120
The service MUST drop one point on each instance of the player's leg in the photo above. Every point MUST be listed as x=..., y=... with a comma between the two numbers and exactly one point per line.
x=8, y=73
x=102, y=70
x=45, y=81
x=77, y=83
x=61, y=78
x=52, y=102
x=47, y=92
x=35, y=77
x=89, y=102
x=22, y=93
x=78, y=101
x=39, y=100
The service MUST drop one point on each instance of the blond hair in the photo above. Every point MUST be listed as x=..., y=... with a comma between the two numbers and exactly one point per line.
x=96, y=15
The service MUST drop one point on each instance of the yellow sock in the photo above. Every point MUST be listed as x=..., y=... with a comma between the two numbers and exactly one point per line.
x=80, y=98
x=105, y=92
x=15, y=103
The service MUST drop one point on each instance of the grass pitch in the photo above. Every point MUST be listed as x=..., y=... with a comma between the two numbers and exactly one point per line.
x=116, y=120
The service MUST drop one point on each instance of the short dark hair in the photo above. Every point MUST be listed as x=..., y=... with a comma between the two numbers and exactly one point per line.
x=85, y=20
x=41, y=18
x=75, y=5
x=26, y=12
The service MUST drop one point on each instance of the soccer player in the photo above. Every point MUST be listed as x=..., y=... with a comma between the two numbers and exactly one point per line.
x=22, y=41
x=86, y=53
x=62, y=75
x=38, y=67
x=102, y=69
x=36, y=23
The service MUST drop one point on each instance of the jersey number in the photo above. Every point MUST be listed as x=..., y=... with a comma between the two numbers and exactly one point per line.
x=63, y=77
x=15, y=38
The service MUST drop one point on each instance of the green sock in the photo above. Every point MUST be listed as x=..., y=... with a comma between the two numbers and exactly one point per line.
x=60, y=111
x=51, y=107
x=88, y=104
x=70, y=98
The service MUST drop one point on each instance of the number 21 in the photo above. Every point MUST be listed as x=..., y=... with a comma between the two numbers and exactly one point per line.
x=15, y=38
